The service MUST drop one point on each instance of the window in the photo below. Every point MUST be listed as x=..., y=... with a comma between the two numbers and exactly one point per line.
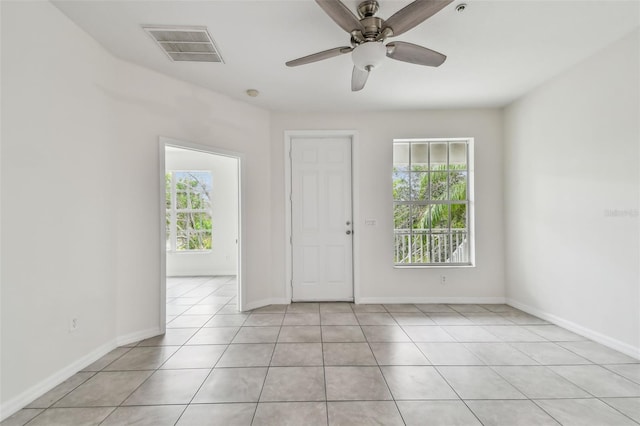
x=431, y=208
x=188, y=198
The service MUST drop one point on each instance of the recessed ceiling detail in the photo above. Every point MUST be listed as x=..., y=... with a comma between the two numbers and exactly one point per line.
x=185, y=44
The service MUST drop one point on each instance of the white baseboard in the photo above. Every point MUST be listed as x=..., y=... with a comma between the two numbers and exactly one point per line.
x=425, y=300
x=192, y=273
x=18, y=402
x=612, y=343
x=15, y=404
x=264, y=302
x=137, y=336
x=388, y=300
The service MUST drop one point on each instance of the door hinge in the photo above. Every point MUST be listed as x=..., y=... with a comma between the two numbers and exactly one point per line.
x=290, y=239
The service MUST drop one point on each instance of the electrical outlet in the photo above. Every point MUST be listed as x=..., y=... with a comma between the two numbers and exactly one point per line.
x=73, y=325
x=443, y=279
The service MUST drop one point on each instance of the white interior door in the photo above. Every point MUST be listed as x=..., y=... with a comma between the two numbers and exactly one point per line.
x=321, y=219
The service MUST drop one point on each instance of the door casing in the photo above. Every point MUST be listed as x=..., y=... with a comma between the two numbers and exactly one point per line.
x=163, y=143
x=289, y=135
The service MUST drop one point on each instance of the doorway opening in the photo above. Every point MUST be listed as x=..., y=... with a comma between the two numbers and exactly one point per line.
x=201, y=262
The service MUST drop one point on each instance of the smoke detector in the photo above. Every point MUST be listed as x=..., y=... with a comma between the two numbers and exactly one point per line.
x=185, y=44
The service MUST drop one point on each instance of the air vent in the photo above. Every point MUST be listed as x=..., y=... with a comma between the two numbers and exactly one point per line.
x=185, y=44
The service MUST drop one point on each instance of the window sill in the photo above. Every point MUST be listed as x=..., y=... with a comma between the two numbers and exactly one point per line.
x=418, y=266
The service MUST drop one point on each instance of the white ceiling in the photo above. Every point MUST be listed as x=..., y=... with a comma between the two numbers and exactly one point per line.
x=497, y=50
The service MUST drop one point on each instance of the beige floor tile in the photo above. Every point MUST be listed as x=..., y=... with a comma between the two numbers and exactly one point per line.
x=297, y=354
x=232, y=385
x=107, y=388
x=172, y=337
x=257, y=335
x=437, y=413
x=416, y=383
x=598, y=381
x=363, y=413
x=71, y=416
x=168, y=387
x=49, y=398
x=22, y=417
x=398, y=354
x=294, y=384
x=478, y=383
x=300, y=334
x=142, y=358
x=342, y=333
x=348, y=354
x=237, y=414
x=356, y=384
x=510, y=413
x=247, y=355
x=291, y=414
x=214, y=336
x=196, y=356
x=385, y=333
x=161, y=415
x=584, y=412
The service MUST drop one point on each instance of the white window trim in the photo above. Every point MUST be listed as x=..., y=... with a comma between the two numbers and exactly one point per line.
x=470, y=204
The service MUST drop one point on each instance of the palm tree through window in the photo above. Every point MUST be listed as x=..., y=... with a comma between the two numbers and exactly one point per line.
x=431, y=202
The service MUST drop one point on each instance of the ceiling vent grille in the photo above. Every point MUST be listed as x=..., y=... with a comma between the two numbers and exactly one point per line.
x=185, y=44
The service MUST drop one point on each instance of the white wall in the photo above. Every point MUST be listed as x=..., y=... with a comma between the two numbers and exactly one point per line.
x=58, y=244
x=222, y=258
x=149, y=105
x=571, y=155
x=378, y=279
x=80, y=194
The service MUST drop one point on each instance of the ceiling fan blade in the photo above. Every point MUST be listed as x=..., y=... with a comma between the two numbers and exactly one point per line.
x=325, y=54
x=358, y=79
x=414, y=14
x=340, y=14
x=409, y=52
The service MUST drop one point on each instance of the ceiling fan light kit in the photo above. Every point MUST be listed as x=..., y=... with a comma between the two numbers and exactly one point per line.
x=368, y=55
x=369, y=32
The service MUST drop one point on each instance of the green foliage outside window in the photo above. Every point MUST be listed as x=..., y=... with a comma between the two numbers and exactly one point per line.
x=188, y=202
x=430, y=181
x=440, y=184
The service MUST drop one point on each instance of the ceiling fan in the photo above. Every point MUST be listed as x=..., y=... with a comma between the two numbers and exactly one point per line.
x=369, y=33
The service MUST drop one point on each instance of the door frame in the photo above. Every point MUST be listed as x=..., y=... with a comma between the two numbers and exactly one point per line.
x=240, y=268
x=289, y=135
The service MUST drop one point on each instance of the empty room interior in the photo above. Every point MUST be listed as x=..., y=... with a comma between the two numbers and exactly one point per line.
x=297, y=212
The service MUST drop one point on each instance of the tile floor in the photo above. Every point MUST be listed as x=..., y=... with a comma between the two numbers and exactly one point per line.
x=344, y=364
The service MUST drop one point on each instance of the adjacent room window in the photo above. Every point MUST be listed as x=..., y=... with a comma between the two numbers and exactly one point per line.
x=431, y=202
x=188, y=198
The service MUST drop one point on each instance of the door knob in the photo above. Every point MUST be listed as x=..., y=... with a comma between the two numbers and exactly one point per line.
x=348, y=223
x=348, y=232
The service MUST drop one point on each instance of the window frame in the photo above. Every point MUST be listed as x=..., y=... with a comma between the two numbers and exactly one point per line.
x=172, y=214
x=469, y=202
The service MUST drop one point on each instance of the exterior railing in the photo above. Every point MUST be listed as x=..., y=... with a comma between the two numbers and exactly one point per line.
x=432, y=247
